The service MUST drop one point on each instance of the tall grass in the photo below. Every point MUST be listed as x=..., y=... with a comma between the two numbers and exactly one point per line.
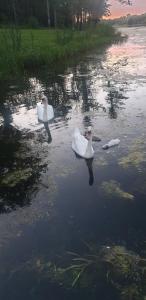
x=28, y=48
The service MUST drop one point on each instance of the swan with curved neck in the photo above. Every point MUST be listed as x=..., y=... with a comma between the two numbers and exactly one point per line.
x=44, y=110
x=81, y=145
x=45, y=107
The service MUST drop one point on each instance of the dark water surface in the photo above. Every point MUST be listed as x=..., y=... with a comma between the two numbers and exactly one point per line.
x=47, y=206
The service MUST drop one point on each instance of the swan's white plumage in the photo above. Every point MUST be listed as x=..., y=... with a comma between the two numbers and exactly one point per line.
x=81, y=145
x=45, y=112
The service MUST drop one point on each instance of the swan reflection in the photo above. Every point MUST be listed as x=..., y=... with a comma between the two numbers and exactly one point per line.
x=89, y=163
x=46, y=125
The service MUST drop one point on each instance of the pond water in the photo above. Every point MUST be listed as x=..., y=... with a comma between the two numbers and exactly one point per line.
x=51, y=202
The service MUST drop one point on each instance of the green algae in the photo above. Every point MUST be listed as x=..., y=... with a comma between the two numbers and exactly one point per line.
x=112, y=189
x=136, y=155
x=138, y=144
x=100, y=162
x=134, y=159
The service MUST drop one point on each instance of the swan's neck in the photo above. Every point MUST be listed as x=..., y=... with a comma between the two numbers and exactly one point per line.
x=45, y=113
x=89, y=146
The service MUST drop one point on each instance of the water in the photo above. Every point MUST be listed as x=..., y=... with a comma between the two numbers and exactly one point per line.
x=49, y=205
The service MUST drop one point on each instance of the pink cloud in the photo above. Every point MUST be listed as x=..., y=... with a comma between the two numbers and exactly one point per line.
x=117, y=10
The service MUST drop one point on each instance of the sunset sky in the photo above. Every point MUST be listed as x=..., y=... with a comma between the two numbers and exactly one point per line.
x=117, y=10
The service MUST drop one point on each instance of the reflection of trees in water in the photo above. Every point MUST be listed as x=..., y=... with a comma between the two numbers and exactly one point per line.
x=21, y=166
x=89, y=163
x=79, y=85
x=46, y=125
x=59, y=89
x=6, y=113
x=11, y=97
x=74, y=87
x=9, y=141
x=115, y=100
x=87, y=121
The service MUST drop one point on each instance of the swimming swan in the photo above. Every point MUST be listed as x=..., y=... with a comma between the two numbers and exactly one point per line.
x=44, y=110
x=81, y=145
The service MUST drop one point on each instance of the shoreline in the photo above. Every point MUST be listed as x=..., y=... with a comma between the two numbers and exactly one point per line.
x=24, y=49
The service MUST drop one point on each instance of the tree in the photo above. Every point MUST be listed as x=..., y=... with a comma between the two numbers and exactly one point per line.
x=55, y=12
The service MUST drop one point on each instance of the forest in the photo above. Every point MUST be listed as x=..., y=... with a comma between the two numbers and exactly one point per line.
x=129, y=20
x=54, y=13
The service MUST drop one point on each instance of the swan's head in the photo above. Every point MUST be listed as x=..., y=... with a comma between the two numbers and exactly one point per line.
x=44, y=100
x=89, y=129
x=88, y=133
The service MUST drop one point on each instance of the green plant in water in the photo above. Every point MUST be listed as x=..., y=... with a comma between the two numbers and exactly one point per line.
x=133, y=159
x=112, y=189
x=115, y=266
x=131, y=292
x=136, y=156
x=100, y=162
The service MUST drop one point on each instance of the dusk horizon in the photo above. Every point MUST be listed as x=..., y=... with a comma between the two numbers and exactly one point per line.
x=138, y=7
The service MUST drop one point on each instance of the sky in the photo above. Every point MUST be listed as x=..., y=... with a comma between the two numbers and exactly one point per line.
x=118, y=10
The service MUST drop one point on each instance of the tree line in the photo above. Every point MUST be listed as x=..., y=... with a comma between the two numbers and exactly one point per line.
x=130, y=20
x=54, y=13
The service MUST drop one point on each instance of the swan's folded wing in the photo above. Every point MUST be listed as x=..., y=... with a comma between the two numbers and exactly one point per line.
x=50, y=112
x=79, y=145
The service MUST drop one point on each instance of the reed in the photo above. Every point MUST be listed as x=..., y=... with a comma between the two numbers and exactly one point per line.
x=21, y=49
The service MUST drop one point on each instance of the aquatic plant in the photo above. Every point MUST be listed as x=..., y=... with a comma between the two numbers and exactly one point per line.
x=134, y=159
x=136, y=155
x=131, y=292
x=100, y=162
x=112, y=189
x=114, y=266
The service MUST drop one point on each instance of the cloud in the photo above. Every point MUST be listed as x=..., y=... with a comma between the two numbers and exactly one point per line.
x=117, y=10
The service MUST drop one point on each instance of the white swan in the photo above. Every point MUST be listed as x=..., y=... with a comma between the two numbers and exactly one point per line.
x=44, y=110
x=81, y=145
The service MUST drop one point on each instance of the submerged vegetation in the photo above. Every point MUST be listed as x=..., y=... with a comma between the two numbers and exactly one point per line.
x=112, y=189
x=132, y=159
x=23, y=49
x=136, y=155
x=112, y=267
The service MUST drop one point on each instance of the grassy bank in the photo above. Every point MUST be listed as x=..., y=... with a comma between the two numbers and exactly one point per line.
x=23, y=49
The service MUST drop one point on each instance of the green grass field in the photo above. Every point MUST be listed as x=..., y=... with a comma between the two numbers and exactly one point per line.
x=21, y=49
